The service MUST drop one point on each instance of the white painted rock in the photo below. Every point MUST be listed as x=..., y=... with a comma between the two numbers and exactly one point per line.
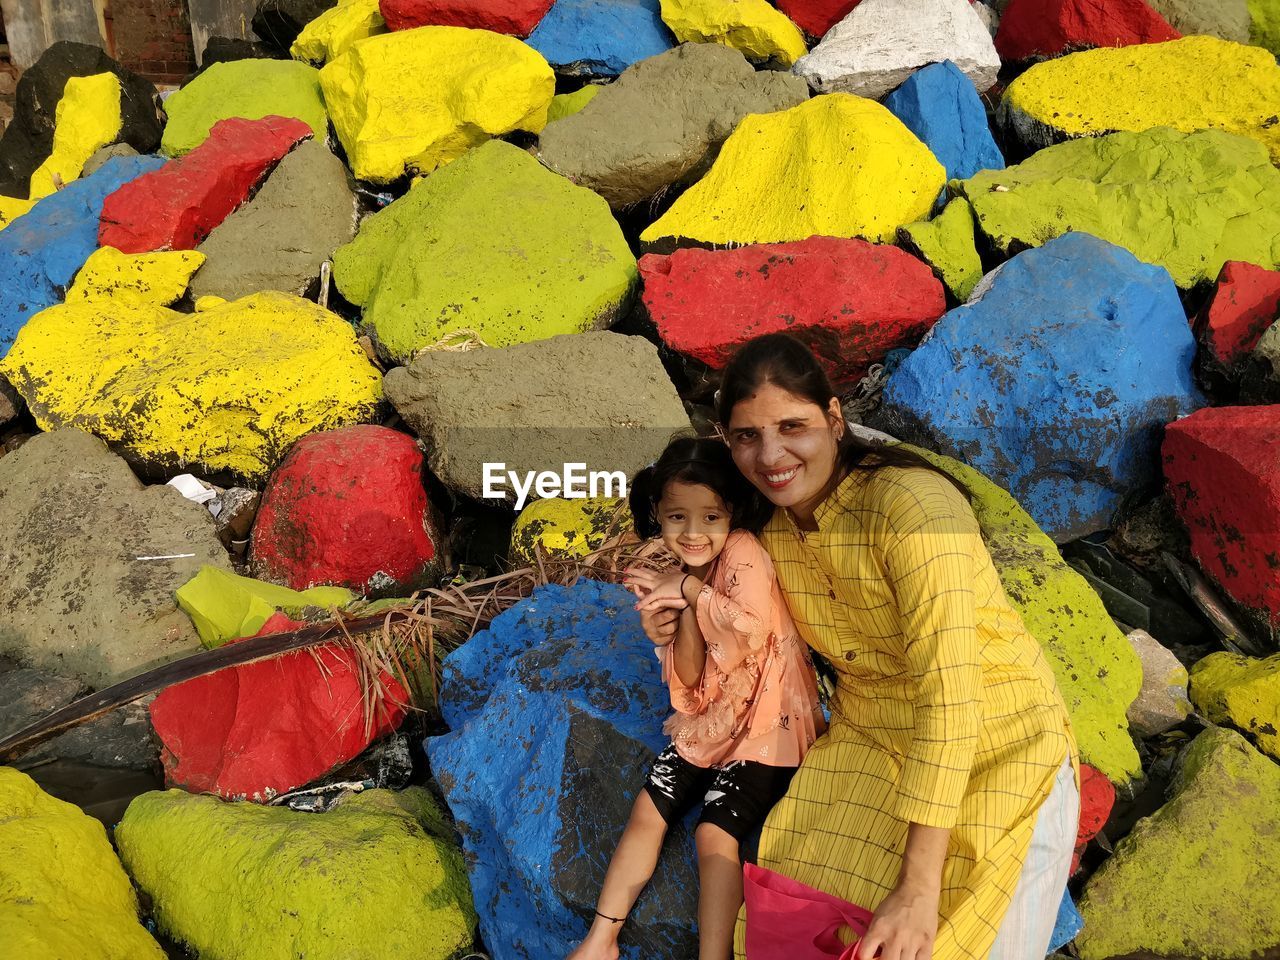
x=1163, y=701
x=882, y=42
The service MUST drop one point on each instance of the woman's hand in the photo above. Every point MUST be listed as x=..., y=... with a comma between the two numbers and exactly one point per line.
x=660, y=625
x=904, y=925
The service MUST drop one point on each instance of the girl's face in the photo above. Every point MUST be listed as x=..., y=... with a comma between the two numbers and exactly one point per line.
x=695, y=523
x=787, y=447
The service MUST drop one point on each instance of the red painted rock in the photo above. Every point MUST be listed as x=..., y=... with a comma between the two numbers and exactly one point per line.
x=816, y=17
x=261, y=729
x=347, y=507
x=515, y=17
x=1047, y=28
x=1245, y=304
x=851, y=301
x=1222, y=465
x=1097, y=797
x=175, y=207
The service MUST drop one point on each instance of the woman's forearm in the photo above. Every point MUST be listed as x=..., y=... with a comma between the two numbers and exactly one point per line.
x=922, y=860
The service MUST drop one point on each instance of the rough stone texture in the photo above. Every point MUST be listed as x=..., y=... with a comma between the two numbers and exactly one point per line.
x=663, y=121
x=411, y=101
x=1163, y=701
x=88, y=118
x=65, y=892
x=1196, y=83
x=95, y=162
x=1219, y=823
x=247, y=90
x=946, y=244
x=109, y=276
x=1057, y=382
x=333, y=32
x=1096, y=669
x=837, y=166
x=600, y=398
x=1241, y=691
x=1068, y=924
x=41, y=252
x=1262, y=379
x=1264, y=31
x=561, y=529
x=940, y=105
x=1047, y=28
x=600, y=38
x=1244, y=305
x=1228, y=19
x=280, y=21
x=1223, y=470
x=850, y=301
x=516, y=17
x=302, y=213
x=1188, y=202
x=176, y=207
x=564, y=105
x=528, y=253
x=225, y=392
x=348, y=507
x=28, y=138
x=11, y=405
x=226, y=607
x=759, y=31
x=882, y=42
x=816, y=17
x=556, y=711
x=75, y=600
x=1097, y=798
x=377, y=876
x=257, y=730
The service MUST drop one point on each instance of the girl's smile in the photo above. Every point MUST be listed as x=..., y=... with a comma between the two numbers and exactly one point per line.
x=695, y=523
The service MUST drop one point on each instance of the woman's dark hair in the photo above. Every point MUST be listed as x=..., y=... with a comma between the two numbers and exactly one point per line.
x=785, y=362
x=695, y=460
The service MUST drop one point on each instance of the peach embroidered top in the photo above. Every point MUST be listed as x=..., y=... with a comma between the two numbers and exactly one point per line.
x=758, y=697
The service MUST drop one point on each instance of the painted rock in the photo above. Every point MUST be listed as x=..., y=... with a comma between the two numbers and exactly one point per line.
x=159, y=279
x=816, y=17
x=1241, y=691
x=411, y=101
x=850, y=301
x=588, y=384
x=280, y=21
x=66, y=893
x=515, y=17
x=224, y=393
x=1068, y=924
x=377, y=876
x=758, y=31
x=1245, y=303
x=1228, y=19
x=1218, y=823
x=1188, y=202
x=333, y=32
x=562, y=105
x=1097, y=798
x=941, y=106
x=176, y=207
x=1223, y=470
x=88, y=118
x=947, y=245
x=1264, y=30
x=1182, y=84
x=561, y=529
x=837, y=166
x=11, y=209
x=600, y=38
x=1262, y=377
x=662, y=121
x=451, y=239
x=556, y=712
x=348, y=507
x=1163, y=702
x=225, y=606
x=1047, y=28
x=882, y=42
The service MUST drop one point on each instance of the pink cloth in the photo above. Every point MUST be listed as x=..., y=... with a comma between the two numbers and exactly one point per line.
x=787, y=920
x=758, y=697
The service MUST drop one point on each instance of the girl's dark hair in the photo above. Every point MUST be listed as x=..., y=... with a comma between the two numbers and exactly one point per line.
x=785, y=362
x=695, y=460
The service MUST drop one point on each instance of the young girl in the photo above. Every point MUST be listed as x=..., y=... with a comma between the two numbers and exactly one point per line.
x=741, y=682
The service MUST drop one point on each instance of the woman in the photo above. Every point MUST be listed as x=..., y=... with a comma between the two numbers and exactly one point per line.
x=943, y=797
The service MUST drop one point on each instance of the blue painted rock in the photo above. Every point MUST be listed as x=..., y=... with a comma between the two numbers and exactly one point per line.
x=1068, y=924
x=600, y=38
x=556, y=712
x=941, y=106
x=1057, y=382
x=41, y=252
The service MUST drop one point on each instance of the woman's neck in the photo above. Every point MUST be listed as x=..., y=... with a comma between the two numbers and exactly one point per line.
x=805, y=515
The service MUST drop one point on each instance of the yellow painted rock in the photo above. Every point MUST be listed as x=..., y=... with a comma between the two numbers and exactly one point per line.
x=11, y=208
x=1241, y=691
x=226, y=391
x=87, y=119
x=142, y=278
x=1195, y=83
x=837, y=166
x=63, y=893
x=760, y=31
x=413, y=100
x=333, y=32
x=562, y=529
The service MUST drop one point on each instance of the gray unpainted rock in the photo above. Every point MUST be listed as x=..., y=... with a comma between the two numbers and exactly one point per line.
x=1228, y=19
x=663, y=121
x=104, y=154
x=74, y=598
x=1163, y=701
x=11, y=405
x=1260, y=382
x=597, y=398
x=277, y=241
x=882, y=42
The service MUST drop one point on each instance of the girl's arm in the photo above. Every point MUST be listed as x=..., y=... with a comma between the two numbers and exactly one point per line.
x=689, y=651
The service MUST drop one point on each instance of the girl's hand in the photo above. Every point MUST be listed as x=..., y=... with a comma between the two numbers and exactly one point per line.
x=904, y=925
x=655, y=586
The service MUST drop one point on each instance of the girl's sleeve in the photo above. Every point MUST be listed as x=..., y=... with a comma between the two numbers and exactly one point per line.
x=735, y=623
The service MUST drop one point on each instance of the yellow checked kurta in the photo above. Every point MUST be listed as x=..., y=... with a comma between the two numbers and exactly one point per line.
x=946, y=712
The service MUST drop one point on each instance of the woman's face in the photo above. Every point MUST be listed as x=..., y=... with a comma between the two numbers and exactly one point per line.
x=786, y=446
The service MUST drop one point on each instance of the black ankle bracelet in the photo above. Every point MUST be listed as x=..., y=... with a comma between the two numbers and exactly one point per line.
x=610, y=919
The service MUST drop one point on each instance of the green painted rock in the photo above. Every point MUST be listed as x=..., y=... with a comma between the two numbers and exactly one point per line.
x=563, y=529
x=243, y=88
x=1265, y=28
x=946, y=244
x=1243, y=692
x=494, y=244
x=1228, y=19
x=378, y=876
x=63, y=894
x=567, y=104
x=1198, y=878
x=1097, y=670
x=1188, y=202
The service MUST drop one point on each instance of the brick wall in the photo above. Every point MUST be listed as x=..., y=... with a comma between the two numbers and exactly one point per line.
x=153, y=38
